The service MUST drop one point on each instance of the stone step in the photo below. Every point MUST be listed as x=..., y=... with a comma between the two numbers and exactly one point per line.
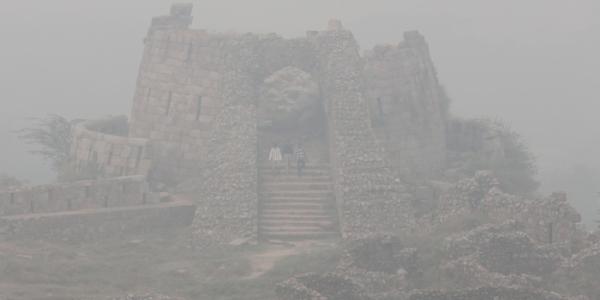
x=291, y=200
x=283, y=166
x=294, y=206
x=304, y=212
x=299, y=218
x=296, y=186
x=297, y=194
x=293, y=172
x=307, y=219
x=293, y=179
x=296, y=236
x=292, y=229
x=308, y=203
x=268, y=223
x=325, y=193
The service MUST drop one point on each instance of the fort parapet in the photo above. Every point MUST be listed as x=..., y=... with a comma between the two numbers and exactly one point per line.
x=80, y=195
x=109, y=154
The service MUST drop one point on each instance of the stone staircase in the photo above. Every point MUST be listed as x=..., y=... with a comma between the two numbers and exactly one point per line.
x=296, y=208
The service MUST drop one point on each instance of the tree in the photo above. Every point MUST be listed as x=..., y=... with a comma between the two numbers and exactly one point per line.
x=52, y=139
x=288, y=97
x=475, y=145
x=7, y=182
x=517, y=168
x=598, y=221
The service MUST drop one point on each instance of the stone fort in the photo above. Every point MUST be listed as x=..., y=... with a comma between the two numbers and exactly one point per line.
x=389, y=170
x=208, y=107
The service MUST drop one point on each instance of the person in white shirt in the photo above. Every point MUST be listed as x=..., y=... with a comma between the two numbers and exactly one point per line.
x=275, y=154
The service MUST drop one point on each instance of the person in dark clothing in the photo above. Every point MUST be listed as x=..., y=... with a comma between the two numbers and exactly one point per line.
x=300, y=158
x=287, y=150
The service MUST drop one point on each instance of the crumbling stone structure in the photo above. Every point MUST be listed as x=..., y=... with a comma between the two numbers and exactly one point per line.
x=200, y=104
x=496, y=293
x=547, y=220
x=92, y=225
x=98, y=151
x=580, y=273
x=489, y=262
x=89, y=210
x=497, y=255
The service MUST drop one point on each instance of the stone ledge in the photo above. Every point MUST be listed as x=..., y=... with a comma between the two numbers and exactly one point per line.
x=86, y=225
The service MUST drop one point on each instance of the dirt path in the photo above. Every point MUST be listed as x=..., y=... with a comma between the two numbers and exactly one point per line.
x=263, y=261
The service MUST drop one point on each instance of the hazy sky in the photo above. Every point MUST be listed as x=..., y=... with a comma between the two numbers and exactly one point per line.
x=533, y=63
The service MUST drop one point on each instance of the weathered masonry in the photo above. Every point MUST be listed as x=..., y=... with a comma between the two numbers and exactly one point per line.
x=89, y=210
x=210, y=105
x=80, y=195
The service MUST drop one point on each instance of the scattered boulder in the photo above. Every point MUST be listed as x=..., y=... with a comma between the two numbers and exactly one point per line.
x=580, y=273
x=330, y=286
x=505, y=250
x=547, y=220
x=492, y=293
x=467, y=272
x=147, y=297
x=376, y=253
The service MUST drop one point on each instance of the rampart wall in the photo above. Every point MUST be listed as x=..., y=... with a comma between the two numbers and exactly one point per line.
x=82, y=195
x=95, y=224
x=109, y=155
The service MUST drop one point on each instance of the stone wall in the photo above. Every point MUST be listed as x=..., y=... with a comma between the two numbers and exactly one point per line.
x=189, y=81
x=547, y=220
x=407, y=106
x=226, y=191
x=93, y=224
x=198, y=101
x=107, y=154
x=369, y=193
x=90, y=194
x=503, y=249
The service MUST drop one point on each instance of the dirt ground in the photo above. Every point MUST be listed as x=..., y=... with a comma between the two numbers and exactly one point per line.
x=162, y=263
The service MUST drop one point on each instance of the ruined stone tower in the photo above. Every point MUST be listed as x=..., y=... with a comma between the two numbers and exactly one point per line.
x=201, y=111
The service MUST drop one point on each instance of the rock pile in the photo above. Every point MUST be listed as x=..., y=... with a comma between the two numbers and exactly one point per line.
x=330, y=286
x=146, y=297
x=492, y=293
x=580, y=273
x=503, y=249
x=549, y=220
x=518, y=248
